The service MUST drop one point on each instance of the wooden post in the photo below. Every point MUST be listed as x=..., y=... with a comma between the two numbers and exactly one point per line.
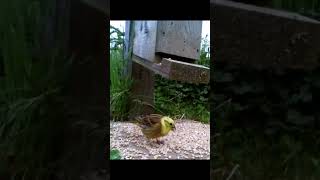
x=153, y=44
x=142, y=90
x=128, y=47
x=142, y=99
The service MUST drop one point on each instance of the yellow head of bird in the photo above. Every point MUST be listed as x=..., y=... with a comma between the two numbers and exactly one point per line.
x=169, y=122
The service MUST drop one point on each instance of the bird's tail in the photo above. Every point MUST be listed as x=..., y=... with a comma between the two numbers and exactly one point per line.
x=135, y=120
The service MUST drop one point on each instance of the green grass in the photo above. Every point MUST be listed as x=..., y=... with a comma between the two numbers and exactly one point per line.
x=120, y=82
x=177, y=99
x=191, y=100
x=261, y=157
x=266, y=132
x=115, y=154
x=120, y=86
x=31, y=106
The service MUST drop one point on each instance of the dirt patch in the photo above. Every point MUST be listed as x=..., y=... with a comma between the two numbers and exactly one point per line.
x=191, y=140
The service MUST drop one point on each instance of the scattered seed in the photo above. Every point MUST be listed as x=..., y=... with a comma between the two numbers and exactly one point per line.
x=191, y=140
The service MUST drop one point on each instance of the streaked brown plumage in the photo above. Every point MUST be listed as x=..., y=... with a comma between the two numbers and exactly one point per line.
x=154, y=126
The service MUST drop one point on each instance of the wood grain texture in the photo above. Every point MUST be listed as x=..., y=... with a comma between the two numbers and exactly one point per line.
x=179, y=38
x=128, y=46
x=177, y=70
x=185, y=72
x=144, y=42
x=142, y=90
x=167, y=39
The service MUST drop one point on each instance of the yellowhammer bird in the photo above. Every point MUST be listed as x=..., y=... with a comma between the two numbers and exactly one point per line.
x=154, y=126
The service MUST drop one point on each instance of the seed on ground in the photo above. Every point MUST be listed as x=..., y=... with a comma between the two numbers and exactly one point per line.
x=191, y=140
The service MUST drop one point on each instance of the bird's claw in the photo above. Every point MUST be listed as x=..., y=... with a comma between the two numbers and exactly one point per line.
x=160, y=142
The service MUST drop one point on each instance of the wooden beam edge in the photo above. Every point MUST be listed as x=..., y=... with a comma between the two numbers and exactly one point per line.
x=264, y=10
x=149, y=65
x=199, y=74
x=167, y=65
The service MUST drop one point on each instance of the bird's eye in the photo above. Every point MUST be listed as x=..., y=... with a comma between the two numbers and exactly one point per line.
x=171, y=124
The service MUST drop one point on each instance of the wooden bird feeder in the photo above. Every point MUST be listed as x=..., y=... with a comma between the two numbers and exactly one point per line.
x=170, y=48
x=167, y=48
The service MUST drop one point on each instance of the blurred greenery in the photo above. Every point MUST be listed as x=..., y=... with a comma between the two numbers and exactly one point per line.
x=175, y=98
x=266, y=124
x=120, y=83
x=191, y=100
x=32, y=109
x=115, y=154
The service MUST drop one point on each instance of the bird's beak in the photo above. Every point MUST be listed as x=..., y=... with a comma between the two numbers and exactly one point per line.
x=173, y=128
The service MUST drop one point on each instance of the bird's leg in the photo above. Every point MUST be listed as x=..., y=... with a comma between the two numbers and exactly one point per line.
x=159, y=142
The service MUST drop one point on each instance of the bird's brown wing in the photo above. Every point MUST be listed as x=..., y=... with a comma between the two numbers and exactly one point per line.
x=150, y=120
x=154, y=118
x=152, y=131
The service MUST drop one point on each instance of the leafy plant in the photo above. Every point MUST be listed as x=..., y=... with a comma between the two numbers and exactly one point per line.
x=115, y=154
x=177, y=98
x=31, y=99
x=204, y=53
x=116, y=38
x=174, y=98
x=264, y=122
x=120, y=82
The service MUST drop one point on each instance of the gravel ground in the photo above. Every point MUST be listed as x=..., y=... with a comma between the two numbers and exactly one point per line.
x=191, y=140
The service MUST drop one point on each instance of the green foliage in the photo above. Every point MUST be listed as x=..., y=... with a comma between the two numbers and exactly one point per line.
x=266, y=123
x=204, y=54
x=116, y=38
x=120, y=83
x=115, y=154
x=31, y=105
x=175, y=98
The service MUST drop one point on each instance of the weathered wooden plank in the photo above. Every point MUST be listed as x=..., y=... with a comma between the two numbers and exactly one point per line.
x=185, y=72
x=144, y=42
x=177, y=70
x=157, y=39
x=128, y=46
x=264, y=38
x=179, y=38
x=148, y=65
x=142, y=90
x=137, y=35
